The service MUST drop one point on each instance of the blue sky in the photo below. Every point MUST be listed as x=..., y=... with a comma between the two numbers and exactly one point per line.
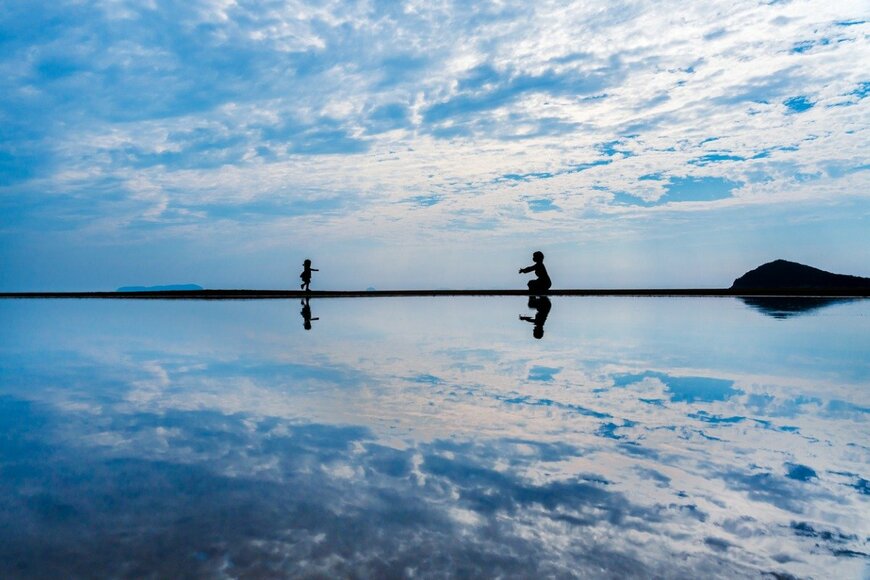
x=429, y=144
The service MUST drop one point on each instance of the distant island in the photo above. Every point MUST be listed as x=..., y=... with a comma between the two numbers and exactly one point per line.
x=167, y=288
x=791, y=277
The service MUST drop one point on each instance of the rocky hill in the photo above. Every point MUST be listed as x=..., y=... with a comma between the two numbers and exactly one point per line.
x=784, y=275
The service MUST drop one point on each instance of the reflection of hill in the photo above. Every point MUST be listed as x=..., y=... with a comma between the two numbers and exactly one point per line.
x=788, y=306
x=791, y=276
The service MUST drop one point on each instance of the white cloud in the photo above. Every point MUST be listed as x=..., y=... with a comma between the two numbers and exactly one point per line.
x=233, y=103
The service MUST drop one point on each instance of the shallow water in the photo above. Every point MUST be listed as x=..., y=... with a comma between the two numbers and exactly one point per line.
x=672, y=437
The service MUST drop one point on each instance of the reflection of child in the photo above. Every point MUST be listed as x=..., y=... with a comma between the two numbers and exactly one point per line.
x=306, y=274
x=542, y=306
x=542, y=282
x=306, y=314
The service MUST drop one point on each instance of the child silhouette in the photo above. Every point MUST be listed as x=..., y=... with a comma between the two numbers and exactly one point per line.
x=542, y=282
x=306, y=274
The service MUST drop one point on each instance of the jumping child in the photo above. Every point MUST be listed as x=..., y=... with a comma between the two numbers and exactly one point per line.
x=306, y=274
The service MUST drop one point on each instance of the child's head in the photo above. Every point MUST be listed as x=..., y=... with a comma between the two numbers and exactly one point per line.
x=306, y=262
x=538, y=257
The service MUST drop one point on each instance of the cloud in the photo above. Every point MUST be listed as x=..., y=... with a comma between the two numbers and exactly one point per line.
x=487, y=89
x=685, y=189
x=500, y=111
x=539, y=205
x=389, y=116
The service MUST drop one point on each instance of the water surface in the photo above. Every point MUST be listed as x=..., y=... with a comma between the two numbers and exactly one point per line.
x=637, y=437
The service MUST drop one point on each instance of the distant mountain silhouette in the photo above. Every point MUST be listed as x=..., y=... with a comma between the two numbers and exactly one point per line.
x=784, y=275
x=167, y=288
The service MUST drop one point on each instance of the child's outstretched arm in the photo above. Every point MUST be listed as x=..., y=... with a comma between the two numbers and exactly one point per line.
x=527, y=270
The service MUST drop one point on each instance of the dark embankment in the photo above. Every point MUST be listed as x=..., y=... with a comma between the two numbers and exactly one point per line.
x=295, y=294
x=779, y=278
x=787, y=278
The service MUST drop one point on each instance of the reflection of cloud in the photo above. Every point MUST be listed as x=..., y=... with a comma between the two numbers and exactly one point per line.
x=396, y=435
x=542, y=373
x=354, y=506
x=774, y=489
x=556, y=404
x=685, y=389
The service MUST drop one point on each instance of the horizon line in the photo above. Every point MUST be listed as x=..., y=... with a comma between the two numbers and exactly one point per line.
x=247, y=294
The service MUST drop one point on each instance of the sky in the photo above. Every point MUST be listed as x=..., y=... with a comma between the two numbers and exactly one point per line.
x=430, y=144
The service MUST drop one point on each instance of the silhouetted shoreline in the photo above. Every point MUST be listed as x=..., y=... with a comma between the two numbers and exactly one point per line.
x=295, y=294
x=779, y=278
